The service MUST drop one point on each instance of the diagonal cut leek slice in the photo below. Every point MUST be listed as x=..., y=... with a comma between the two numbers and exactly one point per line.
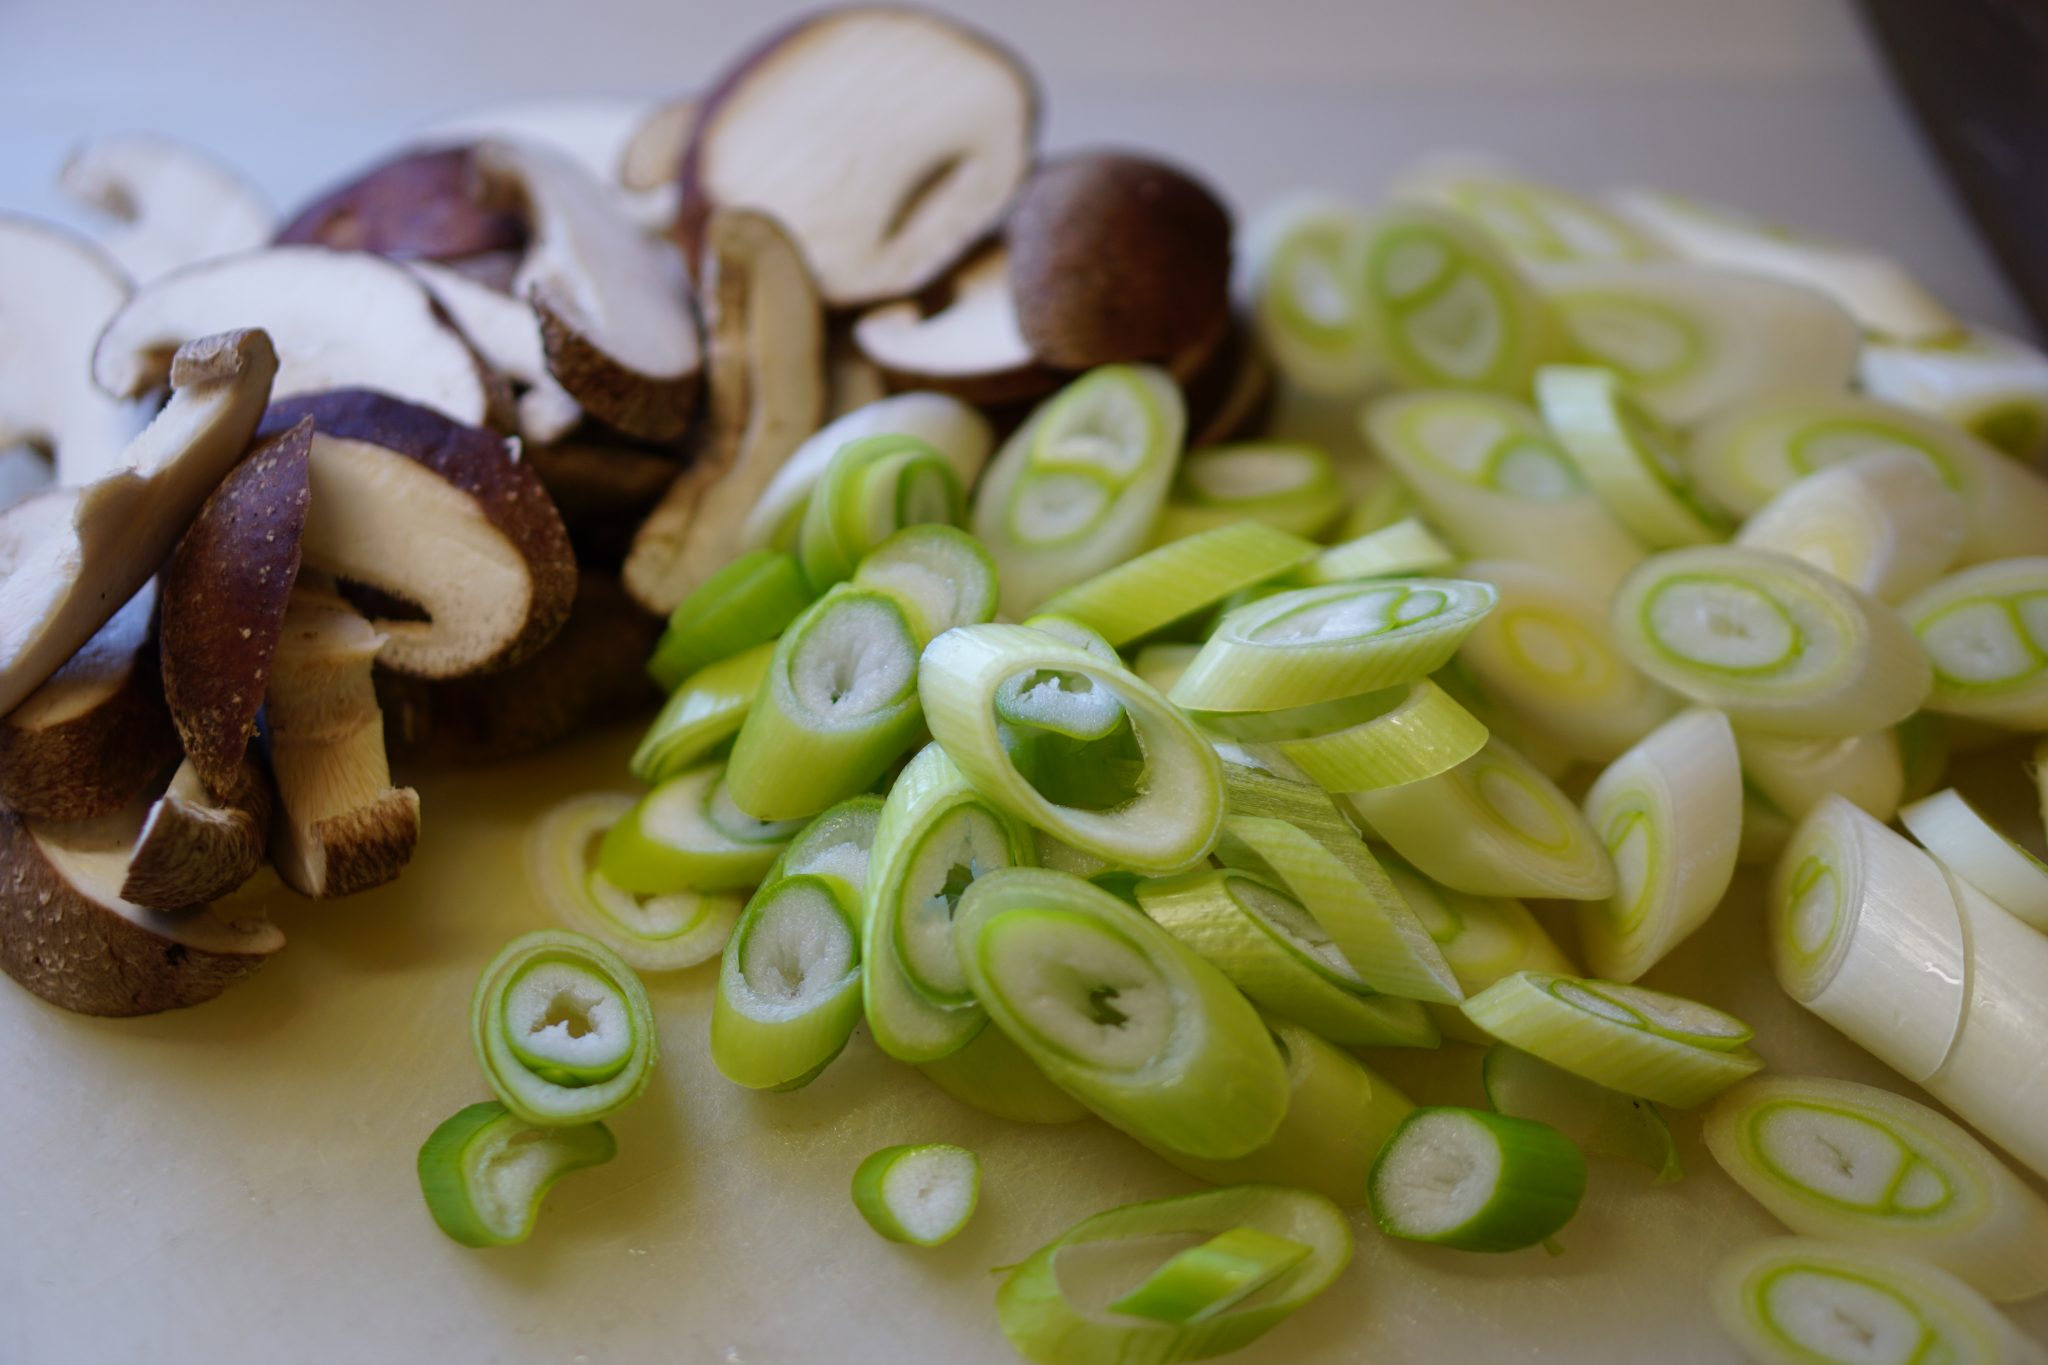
x=1483, y=938
x=1056, y=1307
x=1204, y=1281
x=871, y=489
x=1180, y=578
x=1976, y=850
x=789, y=985
x=1630, y=458
x=922, y=1194
x=1279, y=956
x=1669, y=812
x=1488, y=474
x=686, y=835
x=1376, y=739
x=1599, y=1121
x=1401, y=547
x=1475, y=1180
x=1535, y=222
x=1493, y=826
x=1120, y=1014
x=1986, y=629
x=836, y=843
x=1795, y=775
x=562, y=1029
x=1832, y=1158
x=1774, y=642
x=1885, y=523
x=938, y=574
x=704, y=712
x=1992, y=385
x=1290, y=486
x=485, y=1170
x=1308, y=302
x=747, y=603
x=1641, y=1042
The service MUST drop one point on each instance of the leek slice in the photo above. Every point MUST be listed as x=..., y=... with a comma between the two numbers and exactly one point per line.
x=922, y=1194
x=789, y=984
x=1493, y=826
x=1180, y=578
x=562, y=1029
x=1992, y=385
x=1866, y=933
x=1403, y=547
x=938, y=574
x=1670, y=814
x=1056, y=1306
x=661, y=933
x=1692, y=340
x=839, y=705
x=1924, y=751
x=1802, y=1301
x=1290, y=486
x=1482, y=938
x=935, y=837
x=1970, y=846
x=1795, y=775
x=1339, y=1112
x=1308, y=305
x=1831, y=1158
x=701, y=714
x=1535, y=222
x=1774, y=642
x=1320, y=644
x=1172, y=819
x=994, y=1075
x=1206, y=1280
x=1599, y=1121
x=1384, y=501
x=1120, y=1014
x=1546, y=655
x=1077, y=488
x=1448, y=308
x=747, y=603
x=1161, y=665
x=955, y=429
x=1874, y=289
x=1986, y=628
x=1631, y=459
x=1279, y=956
x=836, y=843
x=871, y=489
x=1641, y=1042
x=1476, y=1181
x=1377, y=739
x=1490, y=476
x=1750, y=454
x=686, y=835
x=485, y=1170
x=1885, y=523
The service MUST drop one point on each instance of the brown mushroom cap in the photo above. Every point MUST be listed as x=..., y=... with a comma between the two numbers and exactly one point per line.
x=418, y=204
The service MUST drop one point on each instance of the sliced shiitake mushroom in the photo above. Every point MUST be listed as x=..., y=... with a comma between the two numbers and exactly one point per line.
x=604, y=490
x=172, y=205
x=194, y=849
x=505, y=331
x=961, y=338
x=420, y=205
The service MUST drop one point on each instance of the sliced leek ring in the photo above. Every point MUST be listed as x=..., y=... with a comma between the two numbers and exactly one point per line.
x=1992, y=385
x=871, y=489
x=747, y=603
x=485, y=1170
x=1795, y=775
x=1535, y=222
x=1376, y=739
x=1476, y=1181
x=1986, y=629
x=704, y=712
x=686, y=835
x=1630, y=458
x=938, y=574
x=922, y=1194
x=1288, y=485
x=1885, y=523
x=789, y=985
x=1403, y=547
x=1973, y=848
x=1308, y=304
x=1180, y=578
x=1599, y=1121
x=562, y=1029
x=1483, y=938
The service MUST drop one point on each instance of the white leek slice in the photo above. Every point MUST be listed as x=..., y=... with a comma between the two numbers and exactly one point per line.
x=1601, y=1122
x=1279, y=955
x=1996, y=1075
x=1795, y=775
x=1339, y=1111
x=1774, y=642
x=1376, y=739
x=922, y=1194
x=705, y=712
x=1057, y=1307
x=1750, y=454
x=1992, y=385
x=1490, y=476
x=1693, y=340
x=562, y=1029
x=1546, y=655
x=1308, y=303
x=1536, y=222
x=1475, y=1180
x=1288, y=485
x=1483, y=938
x=939, y=575
x=484, y=1171
x=1803, y=1301
x=1866, y=933
x=1832, y=1158
x=871, y=489
x=789, y=986
x=1976, y=850
x=1120, y=1013
x=1641, y=1042
x=1884, y=522
x=662, y=933
x=1077, y=488
x=1320, y=644
x=1632, y=460
x=1493, y=826
x=839, y=705
x=994, y=1075
x=686, y=835
x=1176, y=811
x=1405, y=546
x=1161, y=665
x=1875, y=289
x=1986, y=628
x=1449, y=309
x=1669, y=812
x=936, y=835
x=836, y=843
x=1180, y=578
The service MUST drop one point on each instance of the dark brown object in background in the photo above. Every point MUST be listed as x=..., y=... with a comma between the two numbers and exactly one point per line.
x=416, y=205
x=1976, y=74
x=603, y=493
